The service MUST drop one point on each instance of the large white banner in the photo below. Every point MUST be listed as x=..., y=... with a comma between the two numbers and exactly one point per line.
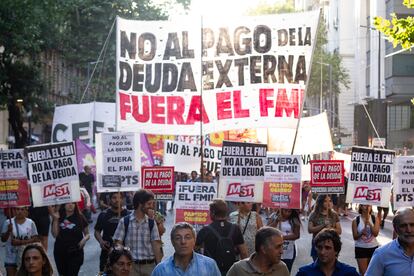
x=82, y=121
x=404, y=182
x=251, y=71
x=53, y=173
x=186, y=157
x=314, y=136
x=118, y=162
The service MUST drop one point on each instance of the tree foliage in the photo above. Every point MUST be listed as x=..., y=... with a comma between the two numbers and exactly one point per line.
x=22, y=37
x=77, y=30
x=399, y=31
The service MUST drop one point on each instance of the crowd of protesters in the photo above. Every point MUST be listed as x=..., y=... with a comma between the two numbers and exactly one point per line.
x=237, y=242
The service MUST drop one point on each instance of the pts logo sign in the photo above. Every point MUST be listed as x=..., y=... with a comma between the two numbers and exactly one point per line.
x=368, y=194
x=237, y=189
x=56, y=190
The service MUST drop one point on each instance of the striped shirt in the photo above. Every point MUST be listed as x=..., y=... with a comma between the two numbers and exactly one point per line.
x=200, y=266
x=138, y=238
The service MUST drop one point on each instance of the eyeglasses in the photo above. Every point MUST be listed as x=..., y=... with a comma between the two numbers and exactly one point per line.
x=180, y=238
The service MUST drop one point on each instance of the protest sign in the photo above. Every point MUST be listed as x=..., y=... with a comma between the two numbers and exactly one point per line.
x=241, y=191
x=252, y=71
x=12, y=164
x=243, y=161
x=371, y=196
x=281, y=195
x=283, y=168
x=186, y=157
x=345, y=157
x=118, y=161
x=14, y=193
x=160, y=180
x=371, y=171
x=327, y=176
x=192, y=201
x=53, y=173
x=404, y=182
x=82, y=121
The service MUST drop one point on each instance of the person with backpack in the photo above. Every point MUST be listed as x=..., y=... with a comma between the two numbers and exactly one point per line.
x=140, y=233
x=266, y=260
x=106, y=225
x=221, y=240
x=365, y=229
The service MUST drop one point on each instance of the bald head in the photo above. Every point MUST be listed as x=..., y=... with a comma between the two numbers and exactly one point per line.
x=401, y=215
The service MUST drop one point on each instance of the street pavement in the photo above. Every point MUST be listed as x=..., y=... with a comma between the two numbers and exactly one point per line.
x=92, y=249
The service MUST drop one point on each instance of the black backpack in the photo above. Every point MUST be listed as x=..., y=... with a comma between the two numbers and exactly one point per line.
x=225, y=254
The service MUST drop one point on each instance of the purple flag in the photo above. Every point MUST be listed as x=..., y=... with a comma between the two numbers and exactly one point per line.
x=85, y=156
x=146, y=153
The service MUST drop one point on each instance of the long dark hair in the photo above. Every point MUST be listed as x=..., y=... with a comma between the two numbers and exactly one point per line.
x=319, y=205
x=47, y=269
x=76, y=213
x=294, y=218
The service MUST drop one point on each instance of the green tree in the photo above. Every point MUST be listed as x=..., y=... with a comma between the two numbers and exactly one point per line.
x=77, y=29
x=399, y=31
x=22, y=37
x=339, y=74
x=86, y=28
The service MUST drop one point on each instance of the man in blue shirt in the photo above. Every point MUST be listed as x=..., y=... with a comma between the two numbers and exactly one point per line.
x=397, y=256
x=328, y=245
x=185, y=261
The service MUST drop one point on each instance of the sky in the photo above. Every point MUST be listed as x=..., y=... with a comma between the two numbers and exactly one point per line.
x=225, y=7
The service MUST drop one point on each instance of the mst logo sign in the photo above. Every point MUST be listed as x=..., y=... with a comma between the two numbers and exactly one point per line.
x=240, y=190
x=53, y=190
x=362, y=192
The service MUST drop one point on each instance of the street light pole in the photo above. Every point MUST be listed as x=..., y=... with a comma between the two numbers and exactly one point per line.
x=379, y=65
x=330, y=90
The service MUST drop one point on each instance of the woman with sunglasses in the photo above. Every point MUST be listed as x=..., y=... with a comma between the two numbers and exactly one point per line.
x=119, y=262
x=70, y=229
x=35, y=262
x=18, y=232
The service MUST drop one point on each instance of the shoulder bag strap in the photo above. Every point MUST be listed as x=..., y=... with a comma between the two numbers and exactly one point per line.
x=247, y=222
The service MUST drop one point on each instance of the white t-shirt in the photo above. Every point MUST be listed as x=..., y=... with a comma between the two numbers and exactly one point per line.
x=27, y=230
x=288, y=245
x=368, y=240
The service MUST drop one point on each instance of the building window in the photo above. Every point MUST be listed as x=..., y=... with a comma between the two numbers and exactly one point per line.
x=400, y=117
